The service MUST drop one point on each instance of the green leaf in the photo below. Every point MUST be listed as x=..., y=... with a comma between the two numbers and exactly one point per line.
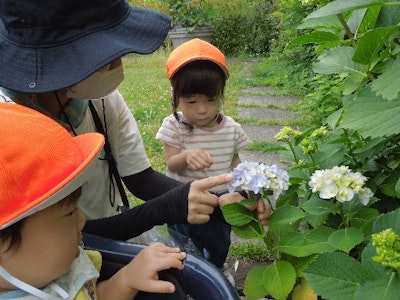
x=346, y=239
x=336, y=61
x=340, y=6
x=254, y=287
x=237, y=215
x=251, y=230
x=370, y=43
x=279, y=279
x=397, y=188
x=285, y=215
x=336, y=276
x=383, y=289
x=387, y=84
x=301, y=245
x=388, y=220
x=316, y=37
x=317, y=206
x=364, y=219
x=353, y=82
x=372, y=116
x=376, y=269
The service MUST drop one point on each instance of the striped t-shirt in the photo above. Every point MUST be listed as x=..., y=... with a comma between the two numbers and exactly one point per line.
x=223, y=141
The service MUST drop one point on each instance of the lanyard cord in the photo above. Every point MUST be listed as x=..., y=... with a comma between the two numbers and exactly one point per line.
x=110, y=158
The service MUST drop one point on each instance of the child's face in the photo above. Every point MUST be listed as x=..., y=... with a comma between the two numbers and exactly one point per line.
x=199, y=109
x=49, y=245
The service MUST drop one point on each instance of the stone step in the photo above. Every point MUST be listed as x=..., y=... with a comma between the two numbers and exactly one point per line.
x=266, y=114
x=279, y=101
x=261, y=132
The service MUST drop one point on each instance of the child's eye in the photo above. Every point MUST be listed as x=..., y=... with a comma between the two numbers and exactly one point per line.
x=71, y=212
x=212, y=99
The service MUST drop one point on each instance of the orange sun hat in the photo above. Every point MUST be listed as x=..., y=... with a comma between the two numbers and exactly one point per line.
x=195, y=49
x=40, y=162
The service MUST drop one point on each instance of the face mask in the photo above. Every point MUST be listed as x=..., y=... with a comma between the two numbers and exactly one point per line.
x=97, y=85
x=31, y=289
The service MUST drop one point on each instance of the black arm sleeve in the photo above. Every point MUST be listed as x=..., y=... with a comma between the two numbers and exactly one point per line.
x=149, y=184
x=170, y=208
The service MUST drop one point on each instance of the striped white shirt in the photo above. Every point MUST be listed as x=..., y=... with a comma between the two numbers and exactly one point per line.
x=223, y=141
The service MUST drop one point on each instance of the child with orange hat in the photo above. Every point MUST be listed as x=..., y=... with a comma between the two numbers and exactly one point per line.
x=42, y=169
x=199, y=140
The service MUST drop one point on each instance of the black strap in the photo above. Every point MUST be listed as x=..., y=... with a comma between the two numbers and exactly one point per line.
x=109, y=155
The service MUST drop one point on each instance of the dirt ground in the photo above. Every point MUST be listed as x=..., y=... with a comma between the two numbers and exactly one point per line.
x=243, y=266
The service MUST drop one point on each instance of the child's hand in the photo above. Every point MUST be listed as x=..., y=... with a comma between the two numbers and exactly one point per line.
x=142, y=272
x=198, y=159
x=263, y=208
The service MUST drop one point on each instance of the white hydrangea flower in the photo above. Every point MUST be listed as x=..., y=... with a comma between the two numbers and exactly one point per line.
x=340, y=183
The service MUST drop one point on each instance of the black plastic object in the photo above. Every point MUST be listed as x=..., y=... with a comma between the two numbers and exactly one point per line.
x=199, y=280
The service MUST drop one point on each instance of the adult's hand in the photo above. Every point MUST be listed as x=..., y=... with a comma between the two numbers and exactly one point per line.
x=201, y=202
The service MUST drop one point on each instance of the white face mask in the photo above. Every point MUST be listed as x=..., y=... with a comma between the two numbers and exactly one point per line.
x=97, y=85
x=31, y=289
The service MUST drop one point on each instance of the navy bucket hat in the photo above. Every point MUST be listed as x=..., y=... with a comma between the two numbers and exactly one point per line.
x=47, y=45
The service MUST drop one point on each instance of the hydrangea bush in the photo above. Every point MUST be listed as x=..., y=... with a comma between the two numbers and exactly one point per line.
x=320, y=241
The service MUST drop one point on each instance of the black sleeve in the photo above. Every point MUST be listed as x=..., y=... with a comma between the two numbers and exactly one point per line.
x=149, y=184
x=170, y=208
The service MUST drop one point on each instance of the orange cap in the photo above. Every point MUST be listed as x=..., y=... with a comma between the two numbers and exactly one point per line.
x=195, y=49
x=40, y=162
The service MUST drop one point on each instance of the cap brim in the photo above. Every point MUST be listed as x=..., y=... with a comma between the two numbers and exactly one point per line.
x=142, y=31
x=90, y=145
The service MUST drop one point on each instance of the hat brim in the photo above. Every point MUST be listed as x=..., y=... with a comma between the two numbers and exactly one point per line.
x=90, y=145
x=45, y=69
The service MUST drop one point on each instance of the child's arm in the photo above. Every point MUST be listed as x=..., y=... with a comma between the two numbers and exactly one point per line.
x=195, y=159
x=235, y=161
x=141, y=274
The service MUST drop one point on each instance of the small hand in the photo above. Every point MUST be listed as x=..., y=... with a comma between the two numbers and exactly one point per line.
x=142, y=271
x=198, y=159
x=263, y=208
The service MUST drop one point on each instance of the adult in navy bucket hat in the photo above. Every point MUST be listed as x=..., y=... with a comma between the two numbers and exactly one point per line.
x=49, y=45
x=64, y=59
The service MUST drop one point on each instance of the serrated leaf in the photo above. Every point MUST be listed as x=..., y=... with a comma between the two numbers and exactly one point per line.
x=237, y=215
x=340, y=6
x=382, y=289
x=251, y=230
x=336, y=61
x=370, y=43
x=285, y=215
x=388, y=220
x=336, y=276
x=315, y=37
x=372, y=116
x=346, y=239
x=316, y=206
x=254, y=287
x=387, y=84
x=279, y=279
x=301, y=245
x=376, y=269
x=353, y=82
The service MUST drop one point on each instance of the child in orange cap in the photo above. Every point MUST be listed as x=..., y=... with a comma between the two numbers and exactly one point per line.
x=42, y=169
x=199, y=140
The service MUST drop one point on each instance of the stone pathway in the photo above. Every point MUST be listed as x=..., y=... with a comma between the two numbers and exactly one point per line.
x=269, y=108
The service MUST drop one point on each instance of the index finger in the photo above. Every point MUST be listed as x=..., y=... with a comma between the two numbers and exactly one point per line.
x=210, y=182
